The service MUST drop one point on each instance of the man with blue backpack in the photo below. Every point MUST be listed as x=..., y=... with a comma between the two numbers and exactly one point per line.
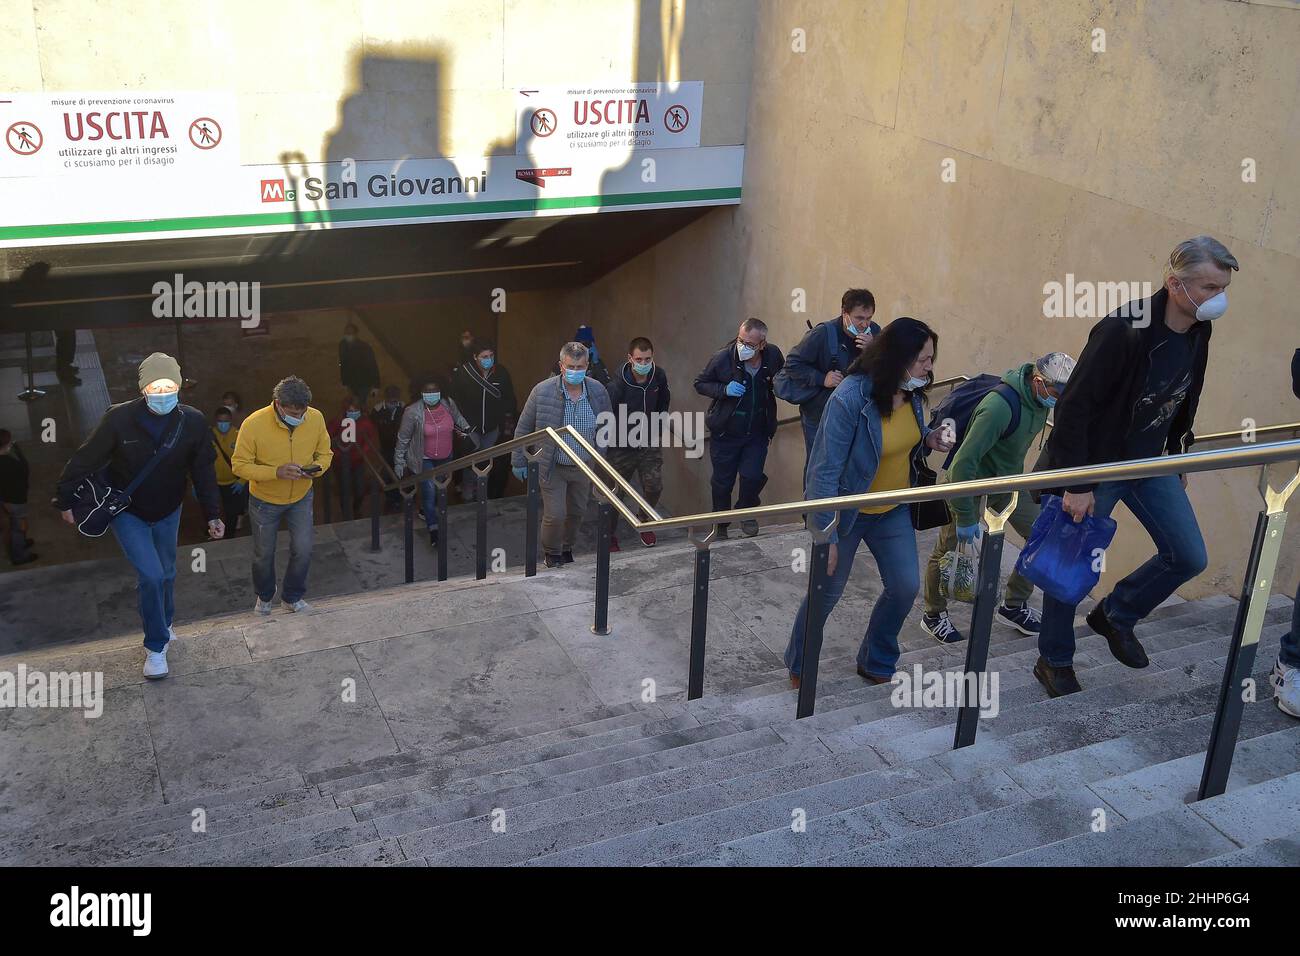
x=993, y=422
x=818, y=363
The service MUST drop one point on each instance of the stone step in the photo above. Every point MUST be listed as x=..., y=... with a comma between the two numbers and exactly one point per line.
x=1181, y=835
x=1282, y=851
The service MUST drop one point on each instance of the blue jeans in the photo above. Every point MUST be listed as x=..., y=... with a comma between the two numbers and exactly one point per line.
x=809, y=433
x=892, y=542
x=1290, y=651
x=264, y=520
x=1161, y=505
x=429, y=494
x=151, y=548
x=731, y=455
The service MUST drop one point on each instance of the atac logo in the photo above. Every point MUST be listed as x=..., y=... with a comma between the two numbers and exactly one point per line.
x=273, y=191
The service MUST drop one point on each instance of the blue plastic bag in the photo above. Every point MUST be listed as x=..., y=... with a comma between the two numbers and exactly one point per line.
x=1060, y=556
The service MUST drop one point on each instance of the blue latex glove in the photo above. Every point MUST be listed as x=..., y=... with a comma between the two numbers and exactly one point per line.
x=520, y=473
x=967, y=533
x=736, y=389
x=238, y=487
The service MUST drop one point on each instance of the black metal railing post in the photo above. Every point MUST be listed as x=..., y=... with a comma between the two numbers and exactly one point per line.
x=531, y=515
x=813, y=624
x=408, y=533
x=31, y=393
x=1260, y=568
x=440, y=507
x=345, y=485
x=326, y=483
x=481, y=516
x=600, y=625
x=699, y=612
x=376, y=509
x=981, y=625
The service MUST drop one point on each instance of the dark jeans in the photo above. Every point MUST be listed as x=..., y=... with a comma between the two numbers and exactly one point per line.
x=429, y=494
x=892, y=543
x=1161, y=505
x=809, y=433
x=743, y=455
x=1289, y=653
x=233, y=504
x=15, y=517
x=264, y=522
x=151, y=548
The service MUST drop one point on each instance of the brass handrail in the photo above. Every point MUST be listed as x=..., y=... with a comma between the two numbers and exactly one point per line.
x=1278, y=429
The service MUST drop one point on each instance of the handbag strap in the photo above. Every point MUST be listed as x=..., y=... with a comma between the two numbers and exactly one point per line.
x=152, y=462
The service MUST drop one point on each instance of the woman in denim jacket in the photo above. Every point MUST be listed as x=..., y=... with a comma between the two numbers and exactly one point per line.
x=863, y=445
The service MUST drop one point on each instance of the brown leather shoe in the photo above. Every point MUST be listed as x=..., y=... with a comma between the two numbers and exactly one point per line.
x=794, y=681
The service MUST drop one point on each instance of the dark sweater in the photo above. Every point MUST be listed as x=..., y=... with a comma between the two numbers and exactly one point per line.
x=122, y=444
x=14, y=477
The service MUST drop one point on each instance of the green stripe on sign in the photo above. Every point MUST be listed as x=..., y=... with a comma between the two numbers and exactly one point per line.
x=306, y=216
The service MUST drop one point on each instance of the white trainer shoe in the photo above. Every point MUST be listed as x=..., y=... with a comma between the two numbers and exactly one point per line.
x=262, y=607
x=1286, y=687
x=155, y=664
x=299, y=606
x=171, y=634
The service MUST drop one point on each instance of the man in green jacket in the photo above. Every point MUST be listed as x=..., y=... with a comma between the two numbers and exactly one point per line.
x=985, y=453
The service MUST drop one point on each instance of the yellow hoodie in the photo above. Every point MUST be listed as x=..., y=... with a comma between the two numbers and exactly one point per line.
x=265, y=443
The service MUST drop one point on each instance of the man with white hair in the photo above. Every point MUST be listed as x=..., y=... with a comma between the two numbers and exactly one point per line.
x=1133, y=395
x=570, y=398
x=125, y=440
x=993, y=442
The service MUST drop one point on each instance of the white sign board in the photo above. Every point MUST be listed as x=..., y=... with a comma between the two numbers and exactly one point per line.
x=568, y=119
x=109, y=136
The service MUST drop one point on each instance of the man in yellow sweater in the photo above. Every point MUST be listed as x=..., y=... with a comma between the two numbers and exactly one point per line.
x=280, y=449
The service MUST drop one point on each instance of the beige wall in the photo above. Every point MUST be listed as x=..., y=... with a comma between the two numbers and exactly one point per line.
x=381, y=79
x=1067, y=161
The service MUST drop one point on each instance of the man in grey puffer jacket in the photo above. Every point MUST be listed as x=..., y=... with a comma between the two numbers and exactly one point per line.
x=570, y=398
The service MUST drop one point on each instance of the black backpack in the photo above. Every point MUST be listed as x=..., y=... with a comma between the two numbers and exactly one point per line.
x=961, y=402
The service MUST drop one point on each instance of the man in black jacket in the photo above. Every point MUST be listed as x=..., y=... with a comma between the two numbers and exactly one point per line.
x=125, y=439
x=638, y=394
x=358, y=369
x=15, y=476
x=485, y=394
x=742, y=417
x=817, y=364
x=1133, y=395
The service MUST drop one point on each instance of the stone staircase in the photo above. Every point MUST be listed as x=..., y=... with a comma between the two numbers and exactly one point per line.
x=1098, y=778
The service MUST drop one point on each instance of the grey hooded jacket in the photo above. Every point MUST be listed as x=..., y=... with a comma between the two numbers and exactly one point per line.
x=409, y=454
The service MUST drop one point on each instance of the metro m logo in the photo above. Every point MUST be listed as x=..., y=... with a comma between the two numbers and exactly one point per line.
x=273, y=190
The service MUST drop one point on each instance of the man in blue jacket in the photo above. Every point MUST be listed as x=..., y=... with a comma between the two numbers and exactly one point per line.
x=742, y=417
x=817, y=364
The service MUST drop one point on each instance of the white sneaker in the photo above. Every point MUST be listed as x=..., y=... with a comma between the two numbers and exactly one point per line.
x=262, y=607
x=155, y=664
x=298, y=606
x=171, y=634
x=1286, y=686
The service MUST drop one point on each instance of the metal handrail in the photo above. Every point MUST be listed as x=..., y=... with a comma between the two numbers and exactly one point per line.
x=1279, y=429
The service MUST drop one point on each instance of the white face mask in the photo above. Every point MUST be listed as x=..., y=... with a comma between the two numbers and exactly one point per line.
x=1212, y=308
x=746, y=352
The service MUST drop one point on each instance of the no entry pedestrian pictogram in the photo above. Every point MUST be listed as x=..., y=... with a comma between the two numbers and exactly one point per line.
x=676, y=118
x=205, y=132
x=24, y=138
x=542, y=122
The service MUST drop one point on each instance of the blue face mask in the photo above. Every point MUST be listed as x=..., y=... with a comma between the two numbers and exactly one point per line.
x=223, y=427
x=575, y=376
x=1048, y=401
x=290, y=420
x=487, y=363
x=354, y=414
x=431, y=398
x=642, y=368
x=912, y=384
x=162, y=404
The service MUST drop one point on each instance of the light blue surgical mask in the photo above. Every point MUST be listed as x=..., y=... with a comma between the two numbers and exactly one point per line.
x=431, y=398
x=290, y=420
x=223, y=427
x=575, y=376
x=354, y=414
x=162, y=404
x=487, y=363
x=912, y=384
x=642, y=368
x=1048, y=401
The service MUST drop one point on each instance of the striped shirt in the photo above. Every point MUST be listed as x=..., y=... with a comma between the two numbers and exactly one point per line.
x=580, y=415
